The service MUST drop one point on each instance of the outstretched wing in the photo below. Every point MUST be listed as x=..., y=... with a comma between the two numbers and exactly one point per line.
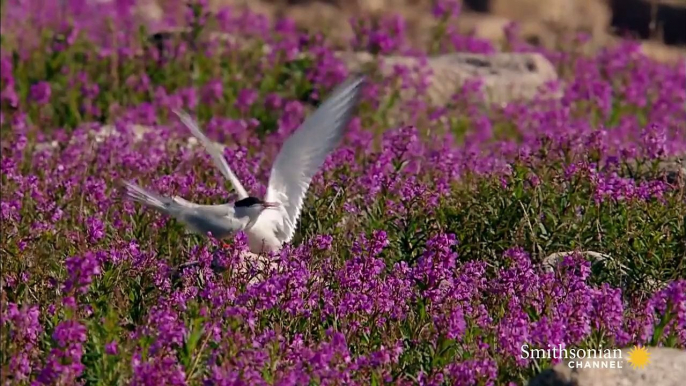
x=304, y=153
x=214, y=152
x=220, y=220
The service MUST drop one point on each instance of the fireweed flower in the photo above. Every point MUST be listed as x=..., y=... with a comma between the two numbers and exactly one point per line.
x=473, y=371
x=23, y=328
x=246, y=98
x=64, y=361
x=430, y=250
x=111, y=348
x=670, y=303
x=213, y=91
x=81, y=270
x=446, y=8
x=41, y=92
x=654, y=140
x=157, y=370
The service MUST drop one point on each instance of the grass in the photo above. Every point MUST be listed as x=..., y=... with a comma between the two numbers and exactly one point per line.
x=419, y=255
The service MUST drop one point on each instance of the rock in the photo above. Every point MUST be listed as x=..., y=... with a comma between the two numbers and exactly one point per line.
x=551, y=262
x=161, y=39
x=99, y=136
x=149, y=10
x=667, y=367
x=322, y=16
x=107, y=131
x=43, y=146
x=192, y=142
x=372, y=6
x=673, y=169
x=568, y=15
x=138, y=131
x=662, y=53
x=264, y=7
x=483, y=26
x=545, y=23
x=506, y=76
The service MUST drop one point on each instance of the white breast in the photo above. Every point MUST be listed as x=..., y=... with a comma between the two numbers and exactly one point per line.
x=262, y=237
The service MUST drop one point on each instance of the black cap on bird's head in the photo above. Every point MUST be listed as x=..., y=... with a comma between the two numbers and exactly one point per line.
x=252, y=201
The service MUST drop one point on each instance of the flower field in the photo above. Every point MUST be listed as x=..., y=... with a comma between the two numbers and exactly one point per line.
x=420, y=256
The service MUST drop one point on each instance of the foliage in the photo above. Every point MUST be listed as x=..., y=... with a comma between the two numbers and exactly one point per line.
x=418, y=257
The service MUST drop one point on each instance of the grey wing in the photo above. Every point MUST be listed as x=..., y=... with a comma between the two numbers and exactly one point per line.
x=211, y=148
x=216, y=219
x=305, y=151
x=220, y=220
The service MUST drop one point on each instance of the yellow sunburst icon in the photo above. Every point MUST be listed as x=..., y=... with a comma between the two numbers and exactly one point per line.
x=638, y=357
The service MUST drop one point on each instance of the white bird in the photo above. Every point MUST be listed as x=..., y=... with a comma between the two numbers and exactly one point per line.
x=299, y=160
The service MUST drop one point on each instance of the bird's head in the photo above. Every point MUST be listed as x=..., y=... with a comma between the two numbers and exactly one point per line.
x=252, y=207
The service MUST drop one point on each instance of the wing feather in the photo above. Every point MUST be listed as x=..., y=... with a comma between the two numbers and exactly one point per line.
x=303, y=154
x=212, y=149
x=220, y=220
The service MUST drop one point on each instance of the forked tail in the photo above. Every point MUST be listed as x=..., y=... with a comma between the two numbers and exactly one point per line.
x=152, y=200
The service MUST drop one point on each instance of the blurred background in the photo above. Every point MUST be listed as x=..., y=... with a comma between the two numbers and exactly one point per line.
x=659, y=24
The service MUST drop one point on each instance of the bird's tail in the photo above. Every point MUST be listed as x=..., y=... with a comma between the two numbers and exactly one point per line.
x=152, y=200
x=183, y=202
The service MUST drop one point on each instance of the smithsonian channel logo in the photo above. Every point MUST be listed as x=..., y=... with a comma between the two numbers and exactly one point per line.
x=637, y=357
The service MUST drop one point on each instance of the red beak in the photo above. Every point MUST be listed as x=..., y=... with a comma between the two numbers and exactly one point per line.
x=268, y=205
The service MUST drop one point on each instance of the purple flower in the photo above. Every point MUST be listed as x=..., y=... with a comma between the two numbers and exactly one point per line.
x=41, y=92
x=23, y=327
x=164, y=324
x=6, y=71
x=80, y=270
x=245, y=99
x=436, y=266
x=213, y=91
x=9, y=95
x=379, y=291
x=64, y=361
x=446, y=8
x=668, y=306
x=111, y=348
x=608, y=309
x=473, y=371
x=456, y=324
x=95, y=229
x=654, y=140
x=384, y=36
x=513, y=331
x=157, y=370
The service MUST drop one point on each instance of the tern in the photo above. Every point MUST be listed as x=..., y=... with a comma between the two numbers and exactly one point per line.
x=269, y=222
